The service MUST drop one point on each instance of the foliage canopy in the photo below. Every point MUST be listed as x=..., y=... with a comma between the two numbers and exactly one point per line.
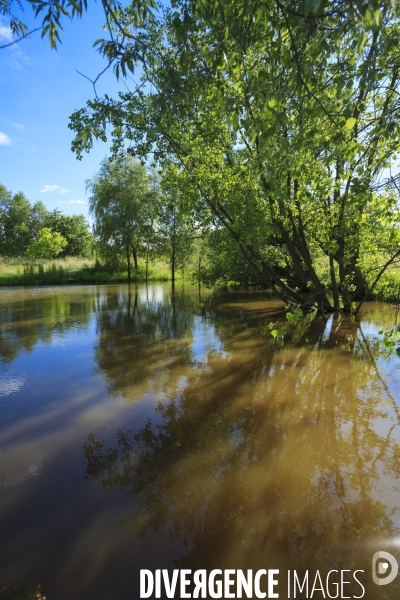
x=21, y=223
x=123, y=204
x=278, y=123
x=48, y=245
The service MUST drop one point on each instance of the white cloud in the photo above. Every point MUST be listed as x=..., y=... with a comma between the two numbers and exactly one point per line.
x=16, y=58
x=49, y=188
x=19, y=55
x=53, y=188
x=19, y=126
x=5, y=33
x=77, y=202
x=4, y=139
x=14, y=64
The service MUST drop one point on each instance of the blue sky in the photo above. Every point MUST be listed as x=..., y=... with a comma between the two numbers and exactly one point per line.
x=39, y=89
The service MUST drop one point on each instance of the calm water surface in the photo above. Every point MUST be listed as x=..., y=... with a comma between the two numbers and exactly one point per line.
x=145, y=429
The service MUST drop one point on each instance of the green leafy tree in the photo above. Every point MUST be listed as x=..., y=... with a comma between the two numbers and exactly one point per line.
x=21, y=223
x=176, y=232
x=281, y=124
x=48, y=245
x=5, y=200
x=122, y=205
x=15, y=214
x=357, y=14
x=75, y=229
x=224, y=261
x=38, y=218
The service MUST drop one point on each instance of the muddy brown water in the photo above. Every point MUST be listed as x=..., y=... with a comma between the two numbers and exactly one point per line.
x=145, y=429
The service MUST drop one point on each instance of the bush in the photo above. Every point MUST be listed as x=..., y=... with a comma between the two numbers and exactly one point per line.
x=48, y=245
x=388, y=287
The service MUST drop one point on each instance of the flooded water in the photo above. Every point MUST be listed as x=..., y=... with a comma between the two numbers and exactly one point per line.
x=142, y=429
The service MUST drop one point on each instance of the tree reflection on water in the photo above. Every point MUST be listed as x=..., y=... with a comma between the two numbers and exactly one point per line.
x=266, y=455
x=29, y=318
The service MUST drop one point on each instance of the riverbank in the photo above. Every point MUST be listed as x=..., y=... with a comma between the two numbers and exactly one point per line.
x=76, y=270
x=73, y=270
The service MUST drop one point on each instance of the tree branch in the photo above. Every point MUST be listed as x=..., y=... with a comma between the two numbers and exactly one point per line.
x=21, y=38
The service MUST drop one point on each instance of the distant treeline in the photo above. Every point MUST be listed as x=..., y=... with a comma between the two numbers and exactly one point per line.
x=21, y=223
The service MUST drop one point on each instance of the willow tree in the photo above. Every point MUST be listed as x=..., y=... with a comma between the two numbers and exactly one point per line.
x=121, y=203
x=280, y=121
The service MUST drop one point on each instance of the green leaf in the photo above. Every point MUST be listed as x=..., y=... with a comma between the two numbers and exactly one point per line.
x=331, y=247
x=389, y=343
x=295, y=315
x=350, y=123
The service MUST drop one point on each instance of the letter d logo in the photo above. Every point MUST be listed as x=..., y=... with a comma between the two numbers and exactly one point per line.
x=382, y=568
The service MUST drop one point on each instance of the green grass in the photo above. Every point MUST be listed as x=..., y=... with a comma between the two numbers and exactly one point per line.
x=73, y=270
x=17, y=271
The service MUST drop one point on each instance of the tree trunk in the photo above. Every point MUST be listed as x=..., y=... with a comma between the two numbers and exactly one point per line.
x=334, y=283
x=147, y=261
x=173, y=261
x=360, y=285
x=128, y=260
x=198, y=270
x=135, y=257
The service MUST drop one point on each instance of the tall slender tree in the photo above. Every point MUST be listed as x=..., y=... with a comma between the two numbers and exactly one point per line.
x=121, y=203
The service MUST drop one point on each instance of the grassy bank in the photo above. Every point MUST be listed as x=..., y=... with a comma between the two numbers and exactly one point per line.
x=73, y=270
x=83, y=270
